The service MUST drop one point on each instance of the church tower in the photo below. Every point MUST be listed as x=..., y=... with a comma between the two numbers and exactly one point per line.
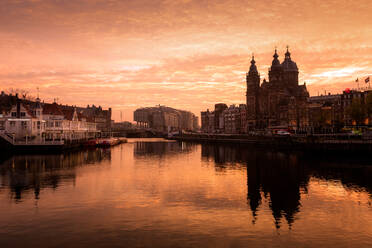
x=275, y=72
x=290, y=71
x=253, y=89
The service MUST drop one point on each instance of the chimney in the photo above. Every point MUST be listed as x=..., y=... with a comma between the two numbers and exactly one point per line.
x=18, y=108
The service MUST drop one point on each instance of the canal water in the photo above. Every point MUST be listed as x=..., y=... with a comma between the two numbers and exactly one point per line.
x=157, y=193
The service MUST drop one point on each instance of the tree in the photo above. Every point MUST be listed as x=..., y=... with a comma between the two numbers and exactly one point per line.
x=357, y=111
x=369, y=105
x=24, y=94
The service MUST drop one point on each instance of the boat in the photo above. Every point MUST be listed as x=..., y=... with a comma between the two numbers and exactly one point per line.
x=111, y=142
x=90, y=143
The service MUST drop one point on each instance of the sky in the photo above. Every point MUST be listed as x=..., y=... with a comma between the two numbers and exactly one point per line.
x=187, y=54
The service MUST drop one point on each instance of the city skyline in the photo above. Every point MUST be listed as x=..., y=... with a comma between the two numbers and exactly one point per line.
x=186, y=54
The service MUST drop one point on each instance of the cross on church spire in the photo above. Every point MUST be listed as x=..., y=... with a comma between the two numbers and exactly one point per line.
x=287, y=54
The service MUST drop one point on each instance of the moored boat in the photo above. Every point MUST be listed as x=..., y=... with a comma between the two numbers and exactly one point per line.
x=90, y=143
x=108, y=142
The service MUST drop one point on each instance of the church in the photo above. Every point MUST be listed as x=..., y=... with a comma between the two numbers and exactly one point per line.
x=280, y=102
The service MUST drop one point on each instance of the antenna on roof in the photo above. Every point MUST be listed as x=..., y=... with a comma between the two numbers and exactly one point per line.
x=37, y=92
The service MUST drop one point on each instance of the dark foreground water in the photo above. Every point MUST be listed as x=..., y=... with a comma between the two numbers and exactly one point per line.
x=153, y=193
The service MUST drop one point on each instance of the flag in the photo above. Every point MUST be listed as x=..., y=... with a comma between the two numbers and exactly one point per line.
x=366, y=80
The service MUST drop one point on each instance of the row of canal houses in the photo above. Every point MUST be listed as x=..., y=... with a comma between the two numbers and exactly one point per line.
x=39, y=122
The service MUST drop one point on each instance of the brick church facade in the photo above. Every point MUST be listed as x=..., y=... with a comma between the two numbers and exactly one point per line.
x=279, y=102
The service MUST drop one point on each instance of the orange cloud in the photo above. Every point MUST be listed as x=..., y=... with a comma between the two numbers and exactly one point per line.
x=186, y=54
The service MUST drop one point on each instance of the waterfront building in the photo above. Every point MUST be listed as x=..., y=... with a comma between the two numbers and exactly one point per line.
x=231, y=117
x=195, y=123
x=25, y=120
x=66, y=123
x=243, y=118
x=93, y=114
x=231, y=120
x=211, y=127
x=219, y=108
x=164, y=119
x=351, y=101
x=325, y=113
x=279, y=102
x=98, y=115
x=204, y=116
x=21, y=121
x=124, y=125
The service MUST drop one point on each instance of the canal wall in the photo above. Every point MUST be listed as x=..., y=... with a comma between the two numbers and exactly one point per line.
x=316, y=143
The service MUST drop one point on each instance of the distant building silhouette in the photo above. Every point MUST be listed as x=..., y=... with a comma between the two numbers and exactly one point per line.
x=279, y=102
x=163, y=118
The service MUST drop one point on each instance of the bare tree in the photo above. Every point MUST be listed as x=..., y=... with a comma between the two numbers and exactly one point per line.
x=24, y=94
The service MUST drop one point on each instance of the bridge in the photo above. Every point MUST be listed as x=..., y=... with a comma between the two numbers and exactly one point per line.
x=138, y=133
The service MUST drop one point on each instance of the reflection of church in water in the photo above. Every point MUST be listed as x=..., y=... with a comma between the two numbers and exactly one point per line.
x=274, y=176
x=24, y=173
x=281, y=178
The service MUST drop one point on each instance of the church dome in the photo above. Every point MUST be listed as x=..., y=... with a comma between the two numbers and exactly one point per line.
x=288, y=64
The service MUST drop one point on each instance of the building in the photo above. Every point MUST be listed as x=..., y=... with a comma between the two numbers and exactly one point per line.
x=356, y=107
x=279, y=102
x=325, y=113
x=223, y=119
x=24, y=120
x=164, y=119
x=219, y=108
x=243, y=118
x=119, y=126
x=67, y=123
x=101, y=117
x=204, y=116
x=232, y=120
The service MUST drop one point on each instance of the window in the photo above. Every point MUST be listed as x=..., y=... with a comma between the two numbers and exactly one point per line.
x=23, y=114
x=24, y=124
x=12, y=123
x=14, y=114
x=38, y=125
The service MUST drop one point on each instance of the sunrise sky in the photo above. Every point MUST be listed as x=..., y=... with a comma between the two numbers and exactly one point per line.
x=185, y=54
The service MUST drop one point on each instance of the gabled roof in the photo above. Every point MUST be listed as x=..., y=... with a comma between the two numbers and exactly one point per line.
x=68, y=113
x=29, y=111
x=52, y=109
x=26, y=107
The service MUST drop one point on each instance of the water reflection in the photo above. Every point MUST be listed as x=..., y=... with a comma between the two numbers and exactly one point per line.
x=151, y=193
x=24, y=173
x=282, y=178
x=160, y=148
